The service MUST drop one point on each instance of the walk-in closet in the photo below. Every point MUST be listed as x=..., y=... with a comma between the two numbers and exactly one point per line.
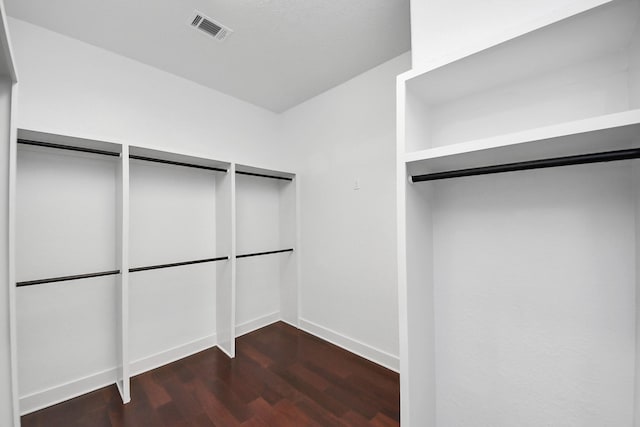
x=381, y=213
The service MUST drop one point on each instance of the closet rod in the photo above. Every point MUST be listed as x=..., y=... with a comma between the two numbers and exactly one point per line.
x=264, y=253
x=68, y=147
x=171, y=162
x=264, y=176
x=65, y=278
x=607, y=156
x=176, y=264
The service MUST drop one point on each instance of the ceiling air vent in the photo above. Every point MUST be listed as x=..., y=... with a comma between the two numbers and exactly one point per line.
x=209, y=26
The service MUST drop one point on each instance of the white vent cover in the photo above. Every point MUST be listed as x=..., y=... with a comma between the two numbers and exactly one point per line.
x=209, y=26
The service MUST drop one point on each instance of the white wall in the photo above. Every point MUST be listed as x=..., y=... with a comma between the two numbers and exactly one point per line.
x=72, y=88
x=439, y=28
x=534, y=298
x=349, y=284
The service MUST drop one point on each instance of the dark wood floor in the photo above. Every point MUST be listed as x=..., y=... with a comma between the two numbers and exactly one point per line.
x=281, y=376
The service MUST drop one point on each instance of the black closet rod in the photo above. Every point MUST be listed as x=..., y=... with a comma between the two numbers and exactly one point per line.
x=65, y=278
x=171, y=162
x=264, y=253
x=264, y=176
x=177, y=264
x=68, y=147
x=607, y=156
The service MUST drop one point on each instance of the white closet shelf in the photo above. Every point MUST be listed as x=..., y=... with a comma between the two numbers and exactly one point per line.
x=176, y=158
x=601, y=31
x=69, y=141
x=604, y=133
x=265, y=173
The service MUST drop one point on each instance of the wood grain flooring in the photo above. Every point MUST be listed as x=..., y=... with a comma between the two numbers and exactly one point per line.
x=281, y=376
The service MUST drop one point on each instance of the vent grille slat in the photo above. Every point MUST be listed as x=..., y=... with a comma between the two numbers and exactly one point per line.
x=209, y=26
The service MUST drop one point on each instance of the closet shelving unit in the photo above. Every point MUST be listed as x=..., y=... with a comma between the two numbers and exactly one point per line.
x=180, y=250
x=8, y=359
x=172, y=227
x=565, y=91
x=67, y=262
x=267, y=243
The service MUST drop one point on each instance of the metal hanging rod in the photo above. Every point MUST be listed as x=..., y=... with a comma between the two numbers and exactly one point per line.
x=171, y=162
x=177, y=264
x=284, y=178
x=264, y=253
x=65, y=278
x=607, y=156
x=68, y=147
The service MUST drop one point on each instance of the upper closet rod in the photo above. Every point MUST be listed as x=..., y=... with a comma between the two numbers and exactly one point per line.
x=177, y=264
x=68, y=147
x=607, y=156
x=264, y=176
x=65, y=278
x=171, y=162
x=264, y=253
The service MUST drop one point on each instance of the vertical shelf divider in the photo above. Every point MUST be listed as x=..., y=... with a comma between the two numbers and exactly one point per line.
x=636, y=186
x=226, y=271
x=122, y=315
x=13, y=337
x=289, y=237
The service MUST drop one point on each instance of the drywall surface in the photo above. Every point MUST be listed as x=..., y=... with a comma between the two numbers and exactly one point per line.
x=345, y=138
x=534, y=298
x=441, y=28
x=72, y=88
x=66, y=330
x=172, y=219
x=258, y=230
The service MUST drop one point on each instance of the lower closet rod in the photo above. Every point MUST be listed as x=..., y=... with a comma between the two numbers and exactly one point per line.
x=65, y=278
x=177, y=264
x=607, y=156
x=264, y=253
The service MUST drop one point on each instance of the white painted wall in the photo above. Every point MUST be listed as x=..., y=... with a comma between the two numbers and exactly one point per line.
x=534, y=278
x=257, y=230
x=172, y=219
x=439, y=28
x=349, y=284
x=72, y=88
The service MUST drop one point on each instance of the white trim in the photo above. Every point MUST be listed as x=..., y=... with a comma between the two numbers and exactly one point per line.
x=13, y=335
x=60, y=393
x=375, y=355
x=257, y=323
x=165, y=357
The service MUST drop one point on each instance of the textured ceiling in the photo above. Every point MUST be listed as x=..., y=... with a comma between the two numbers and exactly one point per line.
x=281, y=53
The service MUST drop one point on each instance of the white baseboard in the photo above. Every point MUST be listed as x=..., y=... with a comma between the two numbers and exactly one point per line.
x=171, y=355
x=51, y=396
x=257, y=323
x=54, y=395
x=380, y=357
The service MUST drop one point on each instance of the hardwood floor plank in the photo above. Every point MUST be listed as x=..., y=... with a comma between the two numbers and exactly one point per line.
x=280, y=377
